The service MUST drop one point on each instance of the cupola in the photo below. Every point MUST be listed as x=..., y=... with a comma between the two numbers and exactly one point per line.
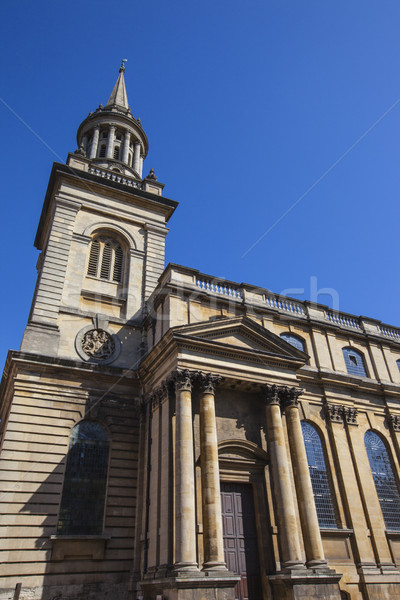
x=111, y=137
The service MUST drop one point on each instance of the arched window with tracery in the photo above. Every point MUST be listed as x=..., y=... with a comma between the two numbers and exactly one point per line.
x=84, y=491
x=106, y=259
x=384, y=478
x=319, y=477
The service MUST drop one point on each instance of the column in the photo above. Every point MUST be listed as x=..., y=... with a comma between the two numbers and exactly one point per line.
x=136, y=157
x=125, y=149
x=141, y=167
x=185, y=518
x=110, y=142
x=95, y=142
x=211, y=494
x=305, y=494
x=288, y=531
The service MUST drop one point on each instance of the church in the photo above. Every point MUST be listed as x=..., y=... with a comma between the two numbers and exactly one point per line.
x=170, y=435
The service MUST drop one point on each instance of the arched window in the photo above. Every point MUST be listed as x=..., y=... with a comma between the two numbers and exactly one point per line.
x=319, y=477
x=84, y=491
x=354, y=362
x=384, y=479
x=293, y=340
x=106, y=259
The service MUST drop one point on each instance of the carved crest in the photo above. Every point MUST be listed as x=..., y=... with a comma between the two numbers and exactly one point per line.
x=98, y=344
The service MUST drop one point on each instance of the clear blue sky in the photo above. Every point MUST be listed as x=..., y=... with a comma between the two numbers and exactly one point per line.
x=246, y=105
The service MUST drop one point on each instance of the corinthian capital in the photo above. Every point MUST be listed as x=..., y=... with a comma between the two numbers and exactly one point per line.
x=207, y=382
x=182, y=379
x=290, y=396
x=271, y=394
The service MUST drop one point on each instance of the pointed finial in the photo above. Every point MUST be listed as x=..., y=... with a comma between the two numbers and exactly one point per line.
x=122, y=67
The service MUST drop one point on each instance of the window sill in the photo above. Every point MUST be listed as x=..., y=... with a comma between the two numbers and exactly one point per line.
x=78, y=547
x=325, y=531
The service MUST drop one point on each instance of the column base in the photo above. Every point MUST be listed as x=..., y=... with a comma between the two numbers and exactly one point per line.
x=185, y=569
x=215, y=566
x=293, y=565
x=318, y=565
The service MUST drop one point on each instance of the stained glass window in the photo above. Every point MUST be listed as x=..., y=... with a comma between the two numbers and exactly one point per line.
x=293, y=340
x=384, y=479
x=319, y=477
x=354, y=362
x=83, y=497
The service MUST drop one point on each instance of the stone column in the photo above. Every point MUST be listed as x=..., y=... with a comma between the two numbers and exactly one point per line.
x=136, y=157
x=287, y=531
x=95, y=142
x=305, y=494
x=125, y=149
x=211, y=494
x=110, y=142
x=185, y=517
x=141, y=166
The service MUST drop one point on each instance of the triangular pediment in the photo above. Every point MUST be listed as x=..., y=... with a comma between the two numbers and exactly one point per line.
x=242, y=334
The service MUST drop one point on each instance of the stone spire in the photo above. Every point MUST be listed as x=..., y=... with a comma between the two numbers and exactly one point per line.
x=119, y=96
x=111, y=137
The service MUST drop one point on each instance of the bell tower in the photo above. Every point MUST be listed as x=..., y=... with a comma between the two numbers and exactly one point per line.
x=101, y=238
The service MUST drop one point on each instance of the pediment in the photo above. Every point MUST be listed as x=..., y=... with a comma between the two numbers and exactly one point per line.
x=242, y=334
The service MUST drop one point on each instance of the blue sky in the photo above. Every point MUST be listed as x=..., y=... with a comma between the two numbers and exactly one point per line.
x=247, y=105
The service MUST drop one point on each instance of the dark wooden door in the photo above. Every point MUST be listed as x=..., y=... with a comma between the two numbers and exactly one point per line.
x=240, y=539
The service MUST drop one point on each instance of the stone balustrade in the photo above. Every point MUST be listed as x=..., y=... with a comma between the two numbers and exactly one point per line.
x=218, y=287
x=343, y=319
x=285, y=304
x=117, y=178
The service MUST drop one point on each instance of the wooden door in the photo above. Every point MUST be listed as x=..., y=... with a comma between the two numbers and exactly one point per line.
x=240, y=539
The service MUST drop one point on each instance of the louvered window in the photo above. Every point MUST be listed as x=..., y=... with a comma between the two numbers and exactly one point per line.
x=106, y=259
x=116, y=152
x=384, y=478
x=94, y=258
x=354, y=362
x=102, y=151
x=84, y=491
x=117, y=271
x=293, y=340
x=319, y=477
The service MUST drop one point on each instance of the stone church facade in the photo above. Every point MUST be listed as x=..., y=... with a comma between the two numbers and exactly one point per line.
x=169, y=435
